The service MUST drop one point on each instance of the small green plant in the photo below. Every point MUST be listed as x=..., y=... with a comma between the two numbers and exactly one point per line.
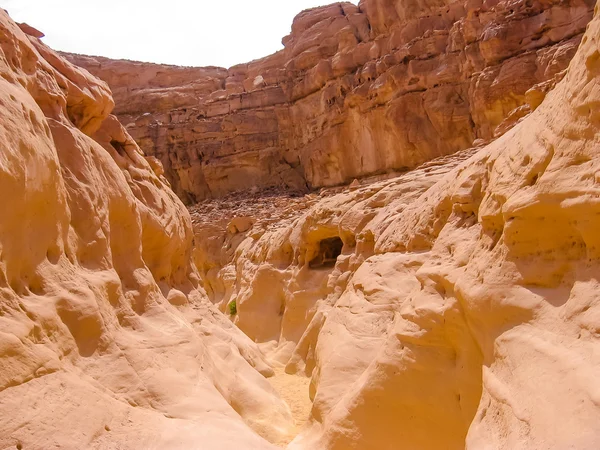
x=232, y=308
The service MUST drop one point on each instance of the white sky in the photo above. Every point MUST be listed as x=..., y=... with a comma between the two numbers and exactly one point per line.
x=183, y=32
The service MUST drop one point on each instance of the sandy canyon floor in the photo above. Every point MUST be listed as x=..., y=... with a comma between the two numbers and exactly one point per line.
x=293, y=389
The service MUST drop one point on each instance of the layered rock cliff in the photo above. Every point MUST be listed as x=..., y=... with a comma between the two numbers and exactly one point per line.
x=358, y=90
x=107, y=339
x=455, y=306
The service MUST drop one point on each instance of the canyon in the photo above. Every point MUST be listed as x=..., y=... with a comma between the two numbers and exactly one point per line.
x=390, y=238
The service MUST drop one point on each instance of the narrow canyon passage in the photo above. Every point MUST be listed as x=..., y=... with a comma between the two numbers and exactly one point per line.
x=349, y=275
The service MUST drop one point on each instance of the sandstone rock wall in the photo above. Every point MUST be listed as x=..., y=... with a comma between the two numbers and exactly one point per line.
x=463, y=310
x=107, y=339
x=357, y=91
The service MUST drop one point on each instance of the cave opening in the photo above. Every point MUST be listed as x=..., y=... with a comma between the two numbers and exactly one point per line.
x=329, y=250
x=118, y=146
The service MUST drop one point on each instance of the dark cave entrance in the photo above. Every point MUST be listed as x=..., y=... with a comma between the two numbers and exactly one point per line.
x=329, y=250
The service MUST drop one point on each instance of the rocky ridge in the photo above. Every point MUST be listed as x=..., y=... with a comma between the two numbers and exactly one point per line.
x=357, y=90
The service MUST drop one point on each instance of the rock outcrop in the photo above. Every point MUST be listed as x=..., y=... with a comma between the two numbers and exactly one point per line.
x=107, y=339
x=357, y=90
x=462, y=310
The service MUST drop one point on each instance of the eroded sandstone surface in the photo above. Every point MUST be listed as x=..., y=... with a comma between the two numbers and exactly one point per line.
x=357, y=90
x=107, y=339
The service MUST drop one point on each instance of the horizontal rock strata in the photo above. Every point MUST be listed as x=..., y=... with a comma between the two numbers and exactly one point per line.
x=357, y=90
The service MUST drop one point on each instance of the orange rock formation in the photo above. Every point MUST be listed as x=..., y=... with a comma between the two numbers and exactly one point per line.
x=452, y=306
x=357, y=91
x=107, y=339
x=462, y=310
